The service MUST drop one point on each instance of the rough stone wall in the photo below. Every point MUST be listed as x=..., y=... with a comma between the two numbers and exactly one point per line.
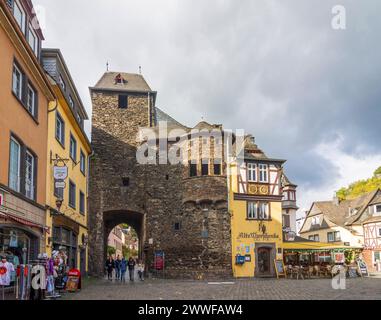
x=157, y=197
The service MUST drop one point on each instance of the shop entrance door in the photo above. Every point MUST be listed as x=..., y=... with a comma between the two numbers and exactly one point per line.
x=264, y=262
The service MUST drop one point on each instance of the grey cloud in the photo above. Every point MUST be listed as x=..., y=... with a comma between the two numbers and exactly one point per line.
x=273, y=67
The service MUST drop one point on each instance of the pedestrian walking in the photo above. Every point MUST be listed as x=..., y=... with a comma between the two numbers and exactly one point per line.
x=123, y=269
x=117, y=268
x=110, y=265
x=131, y=268
x=141, y=270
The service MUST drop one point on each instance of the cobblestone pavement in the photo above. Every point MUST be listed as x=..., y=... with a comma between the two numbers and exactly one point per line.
x=254, y=289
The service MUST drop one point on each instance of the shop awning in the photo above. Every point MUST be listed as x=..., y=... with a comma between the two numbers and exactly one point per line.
x=315, y=247
x=22, y=221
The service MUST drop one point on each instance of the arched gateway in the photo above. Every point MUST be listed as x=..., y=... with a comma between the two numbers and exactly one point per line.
x=180, y=209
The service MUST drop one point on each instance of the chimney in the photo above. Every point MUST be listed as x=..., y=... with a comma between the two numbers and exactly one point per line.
x=336, y=200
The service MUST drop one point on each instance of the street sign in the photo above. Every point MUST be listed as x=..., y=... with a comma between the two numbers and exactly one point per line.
x=60, y=184
x=60, y=173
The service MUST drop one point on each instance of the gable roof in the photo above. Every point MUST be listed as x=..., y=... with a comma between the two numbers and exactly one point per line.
x=132, y=82
x=338, y=214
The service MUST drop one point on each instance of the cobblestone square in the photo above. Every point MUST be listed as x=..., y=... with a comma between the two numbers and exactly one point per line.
x=253, y=289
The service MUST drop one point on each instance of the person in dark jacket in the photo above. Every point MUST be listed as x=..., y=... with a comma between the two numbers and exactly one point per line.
x=123, y=269
x=117, y=267
x=131, y=268
x=110, y=265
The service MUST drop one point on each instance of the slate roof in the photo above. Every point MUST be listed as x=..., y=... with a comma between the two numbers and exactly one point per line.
x=131, y=82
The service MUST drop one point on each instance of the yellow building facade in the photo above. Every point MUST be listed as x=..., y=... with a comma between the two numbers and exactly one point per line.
x=68, y=150
x=255, y=203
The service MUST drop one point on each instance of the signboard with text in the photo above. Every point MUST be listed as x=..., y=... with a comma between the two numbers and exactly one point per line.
x=60, y=173
x=159, y=260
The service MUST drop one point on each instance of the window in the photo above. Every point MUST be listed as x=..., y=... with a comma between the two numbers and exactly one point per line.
x=14, y=165
x=315, y=238
x=17, y=81
x=60, y=129
x=33, y=40
x=263, y=211
x=126, y=182
x=377, y=210
x=177, y=226
x=379, y=232
x=83, y=162
x=72, y=194
x=217, y=169
x=337, y=236
x=205, y=169
x=62, y=83
x=286, y=221
x=252, y=209
x=29, y=175
x=315, y=221
x=22, y=169
x=330, y=237
x=73, y=148
x=123, y=101
x=258, y=210
x=81, y=202
x=192, y=170
x=31, y=100
x=71, y=102
x=252, y=172
x=19, y=15
x=263, y=173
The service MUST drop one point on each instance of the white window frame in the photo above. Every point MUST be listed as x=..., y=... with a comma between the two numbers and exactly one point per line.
x=31, y=108
x=73, y=148
x=22, y=23
x=252, y=172
x=18, y=176
x=29, y=170
x=17, y=72
x=252, y=211
x=61, y=135
x=34, y=45
x=332, y=235
x=337, y=236
x=263, y=173
x=377, y=213
x=315, y=221
x=263, y=211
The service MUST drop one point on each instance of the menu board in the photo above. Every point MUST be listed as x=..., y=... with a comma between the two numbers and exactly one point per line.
x=72, y=284
x=280, y=269
x=363, y=268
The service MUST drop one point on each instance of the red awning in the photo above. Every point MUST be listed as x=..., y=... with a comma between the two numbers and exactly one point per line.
x=22, y=221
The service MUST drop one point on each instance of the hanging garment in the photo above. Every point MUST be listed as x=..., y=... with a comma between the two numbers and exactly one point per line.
x=6, y=270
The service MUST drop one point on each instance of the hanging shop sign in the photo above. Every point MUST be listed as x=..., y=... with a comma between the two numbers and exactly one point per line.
x=257, y=236
x=239, y=259
x=60, y=184
x=1, y=199
x=60, y=173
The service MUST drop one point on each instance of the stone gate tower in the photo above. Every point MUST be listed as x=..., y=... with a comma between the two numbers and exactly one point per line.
x=180, y=209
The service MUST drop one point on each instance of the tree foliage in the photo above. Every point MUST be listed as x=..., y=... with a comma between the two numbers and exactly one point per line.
x=361, y=187
x=110, y=251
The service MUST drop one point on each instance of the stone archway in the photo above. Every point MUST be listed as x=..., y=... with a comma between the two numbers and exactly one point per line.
x=111, y=219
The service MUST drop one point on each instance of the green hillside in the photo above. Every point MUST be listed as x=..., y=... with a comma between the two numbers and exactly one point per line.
x=361, y=187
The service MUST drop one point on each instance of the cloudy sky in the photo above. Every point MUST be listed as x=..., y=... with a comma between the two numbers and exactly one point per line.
x=276, y=68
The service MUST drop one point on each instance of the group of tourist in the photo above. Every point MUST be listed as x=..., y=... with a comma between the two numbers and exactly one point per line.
x=121, y=266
